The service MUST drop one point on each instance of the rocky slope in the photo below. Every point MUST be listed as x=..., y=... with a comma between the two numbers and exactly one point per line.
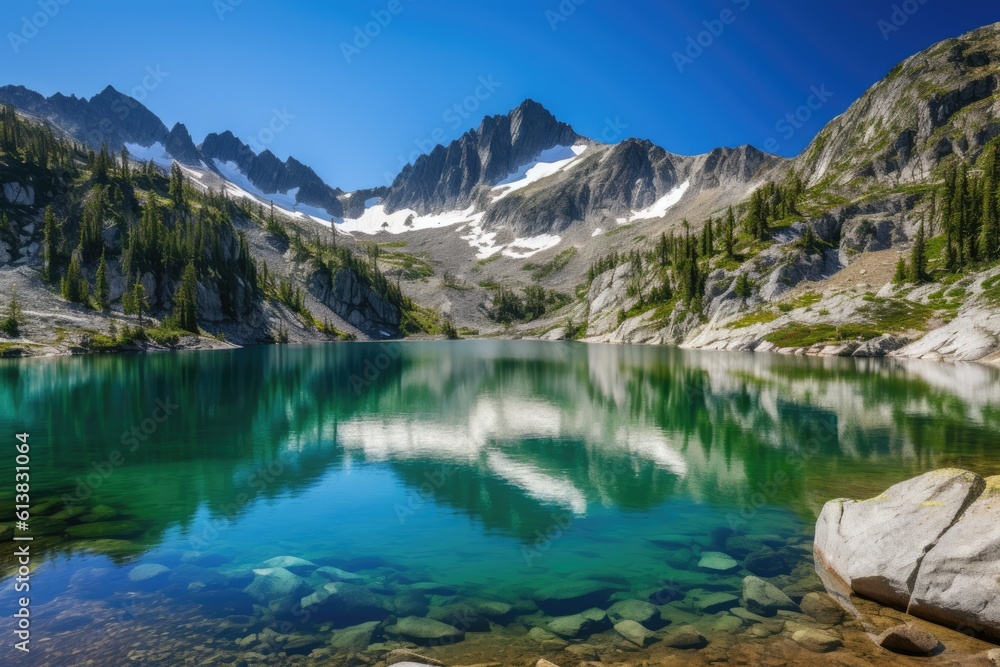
x=615, y=234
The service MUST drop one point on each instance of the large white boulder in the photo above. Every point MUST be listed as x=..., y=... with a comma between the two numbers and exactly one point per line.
x=959, y=579
x=875, y=546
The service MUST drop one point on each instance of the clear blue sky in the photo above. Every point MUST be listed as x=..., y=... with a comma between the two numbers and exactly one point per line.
x=228, y=64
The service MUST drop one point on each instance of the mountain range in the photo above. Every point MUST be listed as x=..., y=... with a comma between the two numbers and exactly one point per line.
x=524, y=199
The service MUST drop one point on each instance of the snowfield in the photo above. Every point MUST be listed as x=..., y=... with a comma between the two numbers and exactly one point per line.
x=157, y=153
x=659, y=207
x=549, y=162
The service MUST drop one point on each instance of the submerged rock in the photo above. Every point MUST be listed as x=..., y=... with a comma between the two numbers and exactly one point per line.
x=354, y=639
x=275, y=585
x=718, y=562
x=546, y=639
x=767, y=563
x=716, y=602
x=909, y=640
x=336, y=574
x=425, y=631
x=573, y=596
x=635, y=633
x=579, y=626
x=817, y=641
x=460, y=615
x=762, y=598
x=148, y=572
x=823, y=608
x=634, y=610
x=875, y=546
x=342, y=603
x=685, y=637
x=290, y=563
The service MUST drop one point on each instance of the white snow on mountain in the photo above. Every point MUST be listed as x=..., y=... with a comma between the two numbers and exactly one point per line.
x=549, y=162
x=239, y=185
x=157, y=153
x=375, y=220
x=659, y=207
x=532, y=245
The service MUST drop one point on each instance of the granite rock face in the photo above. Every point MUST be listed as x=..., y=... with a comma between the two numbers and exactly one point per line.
x=929, y=545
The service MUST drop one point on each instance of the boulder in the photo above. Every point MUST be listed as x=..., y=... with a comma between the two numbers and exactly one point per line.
x=717, y=562
x=342, y=603
x=817, y=641
x=579, y=626
x=739, y=546
x=634, y=610
x=875, y=546
x=823, y=608
x=542, y=662
x=767, y=562
x=425, y=631
x=355, y=638
x=546, y=638
x=959, y=579
x=291, y=563
x=635, y=633
x=402, y=657
x=573, y=596
x=909, y=640
x=716, y=602
x=275, y=583
x=762, y=598
x=460, y=615
x=148, y=572
x=685, y=637
x=336, y=574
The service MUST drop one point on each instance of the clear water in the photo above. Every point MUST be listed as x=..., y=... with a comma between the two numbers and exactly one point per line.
x=494, y=469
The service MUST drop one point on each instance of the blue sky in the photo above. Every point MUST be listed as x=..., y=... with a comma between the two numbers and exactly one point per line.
x=433, y=69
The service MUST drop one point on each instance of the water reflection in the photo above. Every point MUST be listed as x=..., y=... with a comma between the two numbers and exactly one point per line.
x=505, y=433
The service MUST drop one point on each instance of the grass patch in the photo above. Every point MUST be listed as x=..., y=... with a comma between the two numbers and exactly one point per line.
x=762, y=317
x=807, y=335
x=805, y=301
x=991, y=290
x=555, y=265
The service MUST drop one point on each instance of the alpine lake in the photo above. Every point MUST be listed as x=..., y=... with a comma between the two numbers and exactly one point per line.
x=473, y=502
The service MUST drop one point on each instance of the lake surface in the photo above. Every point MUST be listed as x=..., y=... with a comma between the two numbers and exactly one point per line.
x=489, y=485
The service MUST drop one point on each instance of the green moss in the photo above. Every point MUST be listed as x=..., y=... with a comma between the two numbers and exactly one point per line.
x=807, y=335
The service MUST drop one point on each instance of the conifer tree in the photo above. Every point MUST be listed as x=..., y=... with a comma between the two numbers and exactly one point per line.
x=729, y=238
x=74, y=285
x=13, y=316
x=918, y=257
x=103, y=287
x=186, y=300
x=902, y=274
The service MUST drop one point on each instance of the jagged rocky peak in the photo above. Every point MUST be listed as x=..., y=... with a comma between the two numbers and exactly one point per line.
x=448, y=177
x=730, y=166
x=181, y=147
x=110, y=117
x=942, y=101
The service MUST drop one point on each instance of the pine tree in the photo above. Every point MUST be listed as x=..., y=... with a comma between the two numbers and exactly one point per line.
x=186, y=300
x=918, y=257
x=13, y=316
x=134, y=300
x=902, y=274
x=103, y=287
x=743, y=288
x=51, y=245
x=729, y=237
x=989, y=233
x=74, y=285
x=177, y=186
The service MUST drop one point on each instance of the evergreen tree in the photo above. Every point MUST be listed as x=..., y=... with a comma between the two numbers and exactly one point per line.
x=918, y=257
x=177, y=186
x=103, y=287
x=13, y=316
x=186, y=300
x=902, y=274
x=126, y=175
x=729, y=234
x=743, y=288
x=989, y=234
x=134, y=300
x=74, y=285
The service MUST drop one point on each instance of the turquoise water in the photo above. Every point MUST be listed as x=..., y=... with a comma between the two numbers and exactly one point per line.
x=442, y=474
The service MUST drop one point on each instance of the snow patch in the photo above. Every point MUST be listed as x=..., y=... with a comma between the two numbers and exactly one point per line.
x=156, y=152
x=659, y=207
x=287, y=202
x=548, y=162
x=597, y=232
x=375, y=220
x=525, y=248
